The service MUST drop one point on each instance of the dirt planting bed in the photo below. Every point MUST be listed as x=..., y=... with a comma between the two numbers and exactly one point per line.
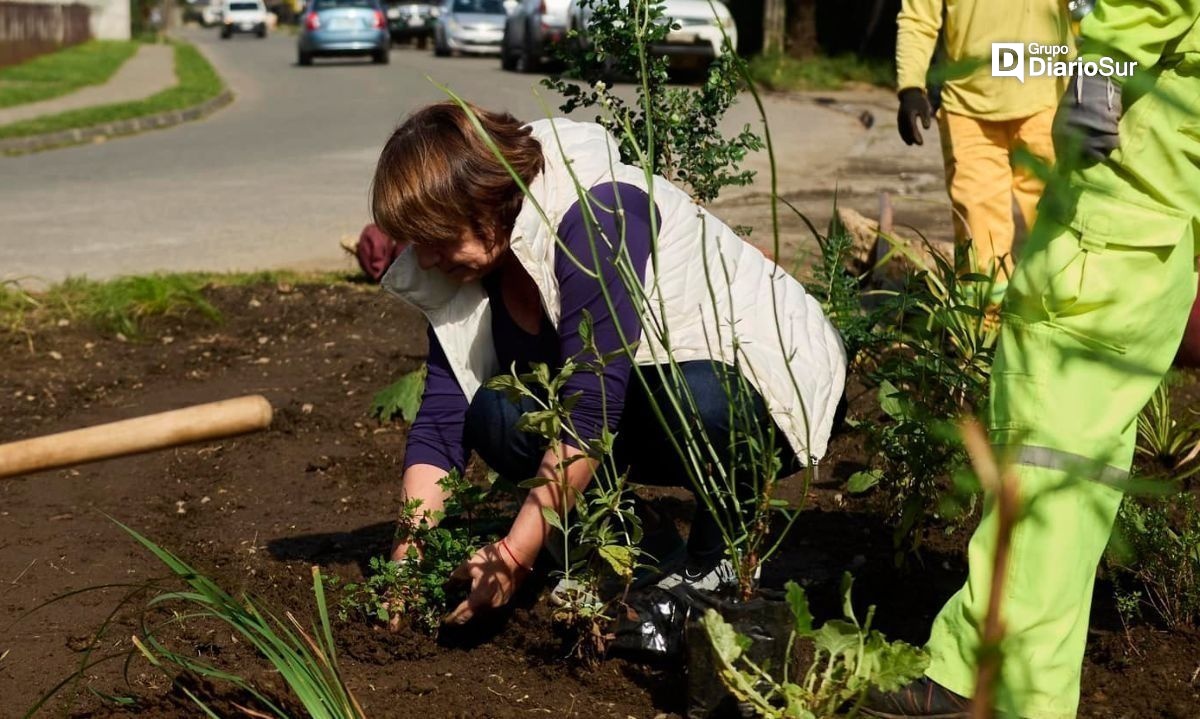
x=321, y=487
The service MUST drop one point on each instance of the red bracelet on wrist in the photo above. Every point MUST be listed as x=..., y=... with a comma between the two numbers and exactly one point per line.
x=508, y=550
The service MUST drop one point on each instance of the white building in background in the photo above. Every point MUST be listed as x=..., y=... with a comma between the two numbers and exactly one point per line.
x=110, y=19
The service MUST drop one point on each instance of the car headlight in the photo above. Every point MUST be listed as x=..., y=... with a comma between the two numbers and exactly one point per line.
x=452, y=24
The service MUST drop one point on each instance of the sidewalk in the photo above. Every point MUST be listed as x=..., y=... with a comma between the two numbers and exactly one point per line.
x=149, y=71
x=836, y=146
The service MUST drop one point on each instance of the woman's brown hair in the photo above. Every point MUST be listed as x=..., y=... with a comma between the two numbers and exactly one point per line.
x=436, y=176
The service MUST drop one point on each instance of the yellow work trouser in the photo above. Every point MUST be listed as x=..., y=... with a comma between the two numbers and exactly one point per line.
x=982, y=180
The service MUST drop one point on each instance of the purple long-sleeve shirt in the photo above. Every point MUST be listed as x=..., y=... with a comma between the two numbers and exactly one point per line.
x=436, y=437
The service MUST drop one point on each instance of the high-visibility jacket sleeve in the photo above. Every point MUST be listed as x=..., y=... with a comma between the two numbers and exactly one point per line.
x=1137, y=30
x=916, y=39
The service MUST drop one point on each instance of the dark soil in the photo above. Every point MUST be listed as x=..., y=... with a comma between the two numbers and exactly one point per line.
x=321, y=487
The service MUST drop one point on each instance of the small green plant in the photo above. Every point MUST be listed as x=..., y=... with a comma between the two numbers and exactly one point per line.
x=598, y=528
x=1172, y=447
x=413, y=590
x=400, y=399
x=671, y=131
x=123, y=304
x=928, y=347
x=1156, y=560
x=305, y=659
x=849, y=658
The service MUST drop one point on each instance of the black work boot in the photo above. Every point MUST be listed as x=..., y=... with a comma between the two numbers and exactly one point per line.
x=921, y=699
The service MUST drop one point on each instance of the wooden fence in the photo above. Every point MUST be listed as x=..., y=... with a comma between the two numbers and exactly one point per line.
x=28, y=29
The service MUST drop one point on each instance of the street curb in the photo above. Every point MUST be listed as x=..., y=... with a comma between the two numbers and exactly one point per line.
x=132, y=126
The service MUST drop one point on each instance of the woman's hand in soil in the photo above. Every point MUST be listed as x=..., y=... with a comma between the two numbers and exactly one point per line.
x=492, y=576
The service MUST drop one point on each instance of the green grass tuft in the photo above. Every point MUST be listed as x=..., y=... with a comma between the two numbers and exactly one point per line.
x=121, y=304
x=781, y=72
x=58, y=73
x=198, y=81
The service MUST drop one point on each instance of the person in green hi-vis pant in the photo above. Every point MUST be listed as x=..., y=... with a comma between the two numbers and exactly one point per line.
x=1092, y=320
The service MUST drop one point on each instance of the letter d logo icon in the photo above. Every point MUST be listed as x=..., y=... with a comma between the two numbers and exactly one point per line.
x=1008, y=60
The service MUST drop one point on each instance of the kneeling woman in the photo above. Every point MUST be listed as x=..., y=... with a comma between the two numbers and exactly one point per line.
x=505, y=279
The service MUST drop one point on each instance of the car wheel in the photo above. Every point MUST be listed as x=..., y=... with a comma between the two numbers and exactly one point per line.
x=305, y=59
x=380, y=57
x=440, y=50
x=262, y=33
x=225, y=34
x=530, y=60
x=508, y=61
x=422, y=42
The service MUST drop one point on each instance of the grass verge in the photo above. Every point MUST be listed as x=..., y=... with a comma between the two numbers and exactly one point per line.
x=121, y=304
x=198, y=81
x=781, y=72
x=58, y=73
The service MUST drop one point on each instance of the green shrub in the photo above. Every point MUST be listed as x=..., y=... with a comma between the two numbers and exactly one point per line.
x=671, y=131
x=1155, y=559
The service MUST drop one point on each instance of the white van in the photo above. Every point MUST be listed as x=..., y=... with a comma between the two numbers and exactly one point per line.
x=243, y=16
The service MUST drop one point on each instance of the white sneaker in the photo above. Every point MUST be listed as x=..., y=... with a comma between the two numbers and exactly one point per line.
x=720, y=576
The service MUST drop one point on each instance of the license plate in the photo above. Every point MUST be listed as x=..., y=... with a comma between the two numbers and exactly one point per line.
x=247, y=26
x=415, y=22
x=342, y=23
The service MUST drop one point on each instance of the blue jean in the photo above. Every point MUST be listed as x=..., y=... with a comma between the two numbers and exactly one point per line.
x=643, y=446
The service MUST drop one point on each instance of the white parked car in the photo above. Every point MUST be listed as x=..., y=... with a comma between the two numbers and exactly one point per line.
x=243, y=16
x=701, y=32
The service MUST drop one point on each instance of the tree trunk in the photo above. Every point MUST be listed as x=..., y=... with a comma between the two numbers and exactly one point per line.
x=774, y=25
x=802, y=29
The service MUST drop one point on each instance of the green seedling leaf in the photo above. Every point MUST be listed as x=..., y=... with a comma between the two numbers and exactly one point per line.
x=890, y=401
x=836, y=636
x=543, y=422
x=891, y=666
x=510, y=385
x=860, y=482
x=801, y=615
x=552, y=518
x=619, y=558
x=726, y=642
x=847, y=605
x=534, y=482
x=400, y=399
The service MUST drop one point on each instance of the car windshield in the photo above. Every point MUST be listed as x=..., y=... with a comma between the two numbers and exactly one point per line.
x=243, y=6
x=485, y=7
x=331, y=4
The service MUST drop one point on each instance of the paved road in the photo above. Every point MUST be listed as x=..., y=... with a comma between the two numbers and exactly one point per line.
x=278, y=177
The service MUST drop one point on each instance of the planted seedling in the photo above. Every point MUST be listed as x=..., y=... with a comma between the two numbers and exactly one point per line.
x=597, y=531
x=848, y=659
x=413, y=591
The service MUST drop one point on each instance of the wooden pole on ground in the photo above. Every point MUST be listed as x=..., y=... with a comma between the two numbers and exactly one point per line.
x=132, y=436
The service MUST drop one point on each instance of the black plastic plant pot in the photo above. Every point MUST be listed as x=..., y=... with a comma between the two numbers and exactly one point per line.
x=766, y=620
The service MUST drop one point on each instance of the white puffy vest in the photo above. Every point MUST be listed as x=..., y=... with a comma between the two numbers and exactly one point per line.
x=785, y=346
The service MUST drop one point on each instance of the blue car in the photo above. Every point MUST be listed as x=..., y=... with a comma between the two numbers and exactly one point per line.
x=344, y=27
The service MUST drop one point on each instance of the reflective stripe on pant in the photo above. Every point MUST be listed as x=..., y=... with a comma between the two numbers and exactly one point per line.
x=983, y=181
x=1092, y=319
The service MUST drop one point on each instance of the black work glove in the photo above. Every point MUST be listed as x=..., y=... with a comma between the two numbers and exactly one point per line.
x=1087, y=119
x=913, y=104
